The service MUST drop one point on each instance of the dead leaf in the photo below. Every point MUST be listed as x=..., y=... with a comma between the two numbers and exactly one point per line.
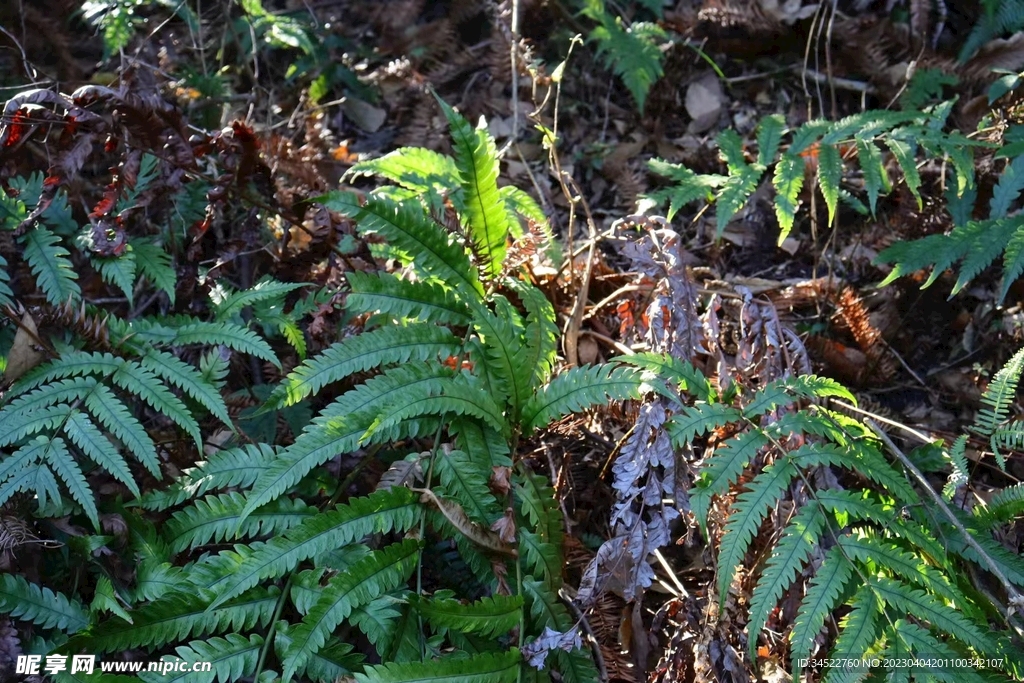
x=363, y=114
x=704, y=102
x=506, y=526
x=26, y=352
x=456, y=516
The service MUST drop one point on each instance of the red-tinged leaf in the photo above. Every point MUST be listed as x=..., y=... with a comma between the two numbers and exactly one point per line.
x=18, y=128
x=104, y=206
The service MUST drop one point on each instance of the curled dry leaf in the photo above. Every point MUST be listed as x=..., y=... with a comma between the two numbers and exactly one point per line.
x=485, y=538
x=506, y=526
x=26, y=351
x=500, y=481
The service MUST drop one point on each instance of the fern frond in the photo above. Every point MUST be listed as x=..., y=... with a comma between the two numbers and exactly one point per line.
x=857, y=631
x=408, y=228
x=84, y=434
x=700, y=418
x=830, y=172
x=921, y=605
x=119, y=271
x=481, y=668
x=386, y=346
x=747, y=514
x=484, y=445
x=959, y=474
x=820, y=599
x=788, y=555
x=788, y=180
x=632, y=53
x=465, y=481
x=108, y=409
x=688, y=187
x=331, y=663
x=724, y=468
x=485, y=214
x=232, y=467
x=35, y=477
x=459, y=395
x=891, y=557
x=783, y=392
x=19, y=425
x=155, y=265
x=577, y=389
x=176, y=617
x=733, y=195
x=339, y=428
x=905, y=156
x=675, y=372
x=182, y=375
x=39, y=605
x=364, y=581
x=541, y=333
x=233, y=336
x=65, y=390
x=876, y=178
x=228, y=304
x=49, y=262
x=489, y=617
x=6, y=295
x=998, y=398
x=423, y=301
x=1007, y=504
x=232, y=657
x=67, y=469
x=217, y=518
x=379, y=512
x=769, y=134
x=414, y=168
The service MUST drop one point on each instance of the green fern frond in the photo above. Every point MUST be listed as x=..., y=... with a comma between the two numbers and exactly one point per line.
x=155, y=265
x=232, y=657
x=84, y=434
x=724, y=468
x=857, y=631
x=228, y=304
x=233, y=336
x=888, y=556
x=39, y=605
x=632, y=53
x=675, y=372
x=177, y=617
x=387, y=346
x=577, y=389
x=769, y=135
x=788, y=555
x=459, y=395
x=876, y=178
x=108, y=409
x=783, y=392
x=364, y=581
x=821, y=598
x=481, y=668
x=118, y=271
x=333, y=662
x=217, y=518
x=6, y=295
x=541, y=333
x=787, y=180
x=485, y=214
x=489, y=617
x=408, y=228
x=904, y=152
x=232, y=467
x=921, y=605
x=49, y=262
x=395, y=509
x=33, y=477
x=68, y=470
x=340, y=427
x=182, y=375
x=830, y=172
x=700, y=418
x=688, y=187
x=959, y=474
x=749, y=511
x=423, y=301
x=1007, y=504
x=414, y=168
x=733, y=195
x=466, y=481
x=997, y=399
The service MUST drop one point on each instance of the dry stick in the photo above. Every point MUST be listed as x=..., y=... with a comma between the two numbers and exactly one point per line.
x=1016, y=599
x=595, y=645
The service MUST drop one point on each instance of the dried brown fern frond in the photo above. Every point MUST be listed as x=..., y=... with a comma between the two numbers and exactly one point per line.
x=89, y=326
x=14, y=532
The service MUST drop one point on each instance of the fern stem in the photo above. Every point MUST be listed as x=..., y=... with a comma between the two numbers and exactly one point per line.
x=273, y=625
x=1014, y=596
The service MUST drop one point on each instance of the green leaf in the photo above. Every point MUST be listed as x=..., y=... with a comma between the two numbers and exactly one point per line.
x=485, y=214
x=490, y=617
x=40, y=606
x=788, y=181
x=769, y=134
x=232, y=658
x=364, y=581
x=904, y=153
x=49, y=262
x=830, y=172
x=820, y=599
x=579, y=388
x=155, y=265
x=482, y=668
